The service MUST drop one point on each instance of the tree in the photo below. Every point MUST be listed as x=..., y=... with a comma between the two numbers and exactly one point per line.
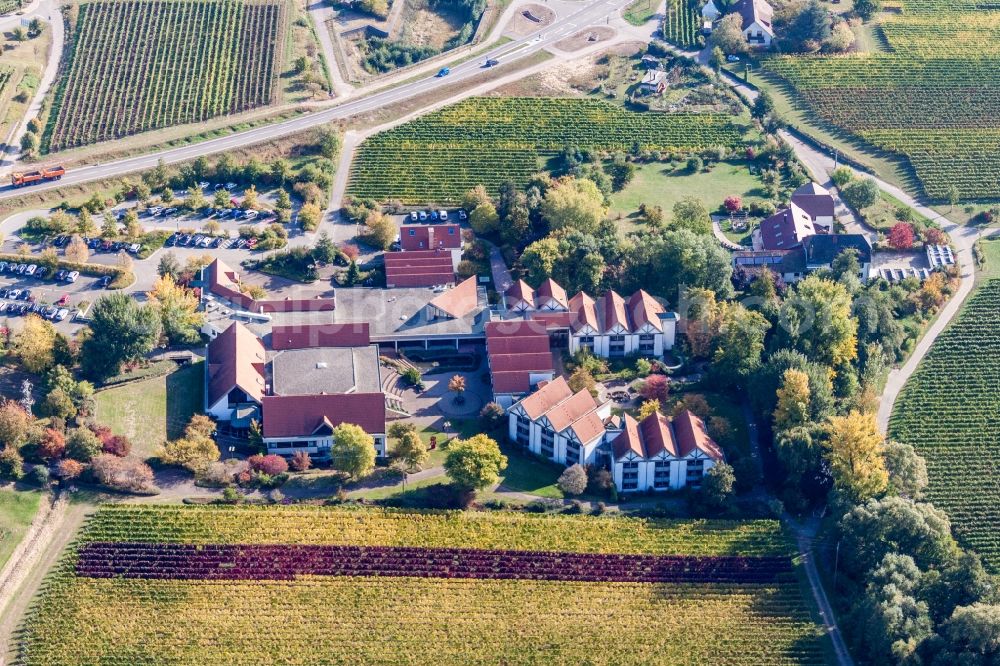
x=11, y=464
x=655, y=388
x=856, y=456
x=765, y=382
x=841, y=38
x=491, y=416
x=34, y=344
x=353, y=450
x=121, y=330
x=476, y=197
x=763, y=106
x=77, y=251
x=733, y=202
x=128, y=474
x=193, y=451
x=250, y=199
x=52, y=444
x=573, y=203
x=648, y=408
x=59, y=404
x=169, y=266
x=800, y=451
x=310, y=216
x=69, y=469
x=82, y=444
x=324, y=250
x=811, y=27
x=867, y=9
x=816, y=319
x=484, y=219
x=895, y=525
x=582, y=380
x=411, y=450
x=690, y=213
x=727, y=35
x=891, y=621
x=301, y=461
x=861, y=193
x=716, y=59
x=907, y=470
x=329, y=144
x=109, y=227
x=195, y=198
x=474, y=463
x=381, y=231
x=739, y=343
x=717, y=485
x=85, y=223
x=178, y=309
x=457, y=386
x=793, y=400
x=16, y=424
x=662, y=262
x=272, y=464
x=221, y=198
x=973, y=634
x=29, y=141
x=901, y=236
x=573, y=480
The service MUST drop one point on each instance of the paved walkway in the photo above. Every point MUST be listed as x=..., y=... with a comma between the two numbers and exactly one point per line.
x=502, y=279
x=721, y=237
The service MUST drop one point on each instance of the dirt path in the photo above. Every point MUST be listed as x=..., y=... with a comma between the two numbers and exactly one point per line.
x=37, y=553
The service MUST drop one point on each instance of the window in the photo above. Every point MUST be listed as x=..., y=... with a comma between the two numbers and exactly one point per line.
x=630, y=476
x=451, y=231
x=548, y=448
x=413, y=232
x=661, y=474
x=572, y=453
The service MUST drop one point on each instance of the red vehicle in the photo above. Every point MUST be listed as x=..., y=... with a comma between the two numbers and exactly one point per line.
x=252, y=243
x=20, y=179
x=63, y=300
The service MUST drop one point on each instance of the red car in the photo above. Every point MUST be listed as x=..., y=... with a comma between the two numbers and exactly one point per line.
x=63, y=300
x=252, y=243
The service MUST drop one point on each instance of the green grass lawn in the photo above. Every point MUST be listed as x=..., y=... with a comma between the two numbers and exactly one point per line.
x=641, y=11
x=991, y=250
x=659, y=184
x=882, y=215
x=151, y=411
x=437, y=455
x=527, y=473
x=386, y=492
x=17, y=509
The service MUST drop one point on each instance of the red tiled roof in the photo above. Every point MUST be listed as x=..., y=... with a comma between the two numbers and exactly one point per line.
x=786, y=229
x=691, y=434
x=513, y=382
x=815, y=200
x=567, y=412
x=546, y=398
x=418, y=268
x=317, y=304
x=612, y=309
x=235, y=360
x=628, y=440
x=430, y=237
x=520, y=292
x=522, y=361
x=458, y=301
x=301, y=415
x=550, y=290
x=224, y=281
x=584, y=308
x=320, y=335
x=516, y=349
x=554, y=319
x=644, y=309
x=656, y=435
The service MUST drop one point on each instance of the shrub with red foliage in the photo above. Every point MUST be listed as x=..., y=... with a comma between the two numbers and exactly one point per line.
x=117, y=445
x=103, y=432
x=271, y=464
x=935, y=236
x=69, y=469
x=301, y=461
x=901, y=236
x=129, y=474
x=733, y=203
x=52, y=445
x=655, y=388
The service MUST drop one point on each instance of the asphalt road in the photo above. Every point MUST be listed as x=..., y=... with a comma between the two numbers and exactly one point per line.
x=592, y=13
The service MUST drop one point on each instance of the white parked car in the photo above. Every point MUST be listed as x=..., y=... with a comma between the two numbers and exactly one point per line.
x=444, y=215
x=30, y=270
x=61, y=314
x=73, y=276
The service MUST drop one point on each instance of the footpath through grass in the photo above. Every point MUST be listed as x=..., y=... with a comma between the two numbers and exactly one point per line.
x=17, y=510
x=152, y=410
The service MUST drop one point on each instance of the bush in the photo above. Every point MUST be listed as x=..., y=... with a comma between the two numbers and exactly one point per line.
x=599, y=479
x=126, y=474
x=69, y=469
x=40, y=475
x=841, y=176
x=301, y=461
x=83, y=445
x=11, y=464
x=573, y=480
x=271, y=464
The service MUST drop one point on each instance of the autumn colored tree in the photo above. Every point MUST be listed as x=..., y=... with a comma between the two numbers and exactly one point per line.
x=271, y=464
x=582, y=380
x=573, y=480
x=178, y=309
x=793, y=400
x=380, y=230
x=648, y=408
x=35, y=343
x=411, y=450
x=856, y=456
x=117, y=445
x=901, y=236
x=353, y=450
x=475, y=463
x=694, y=403
x=935, y=236
x=16, y=424
x=77, y=251
x=69, y=469
x=733, y=203
x=655, y=388
x=457, y=386
x=52, y=445
x=301, y=461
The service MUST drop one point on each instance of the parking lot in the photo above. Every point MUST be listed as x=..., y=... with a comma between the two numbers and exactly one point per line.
x=58, y=300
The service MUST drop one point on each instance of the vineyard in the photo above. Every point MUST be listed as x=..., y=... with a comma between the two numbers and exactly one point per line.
x=682, y=23
x=950, y=411
x=488, y=141
x=139, y=65
x=172, y=585
x=934, y=99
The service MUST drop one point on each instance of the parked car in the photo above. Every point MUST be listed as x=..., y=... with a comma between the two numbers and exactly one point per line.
x=251, y=214
x=443, y=215
x=63, y=300
x=230, y=186
x=462, y=215
x=134, y=248
x=61, y=314
x=251, y=243
x=413, y=216
x=732, y=58
x=217, y=242
x=30, y=270
x=26, y=295
x=423, y=216
x=169, y=212
x=21, y=268
x=73, y=276
x=434, y=216
x=203, y=185
x=105, y=281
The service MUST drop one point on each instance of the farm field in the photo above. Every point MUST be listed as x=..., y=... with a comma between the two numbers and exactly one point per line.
x=152, y=410
x=682, y=23
x=173, y=585
x=488, y=141
x=139, y=65
x=933, y=99
x=949, y=411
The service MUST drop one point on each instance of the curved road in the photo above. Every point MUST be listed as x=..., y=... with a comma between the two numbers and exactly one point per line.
x=590, y=14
